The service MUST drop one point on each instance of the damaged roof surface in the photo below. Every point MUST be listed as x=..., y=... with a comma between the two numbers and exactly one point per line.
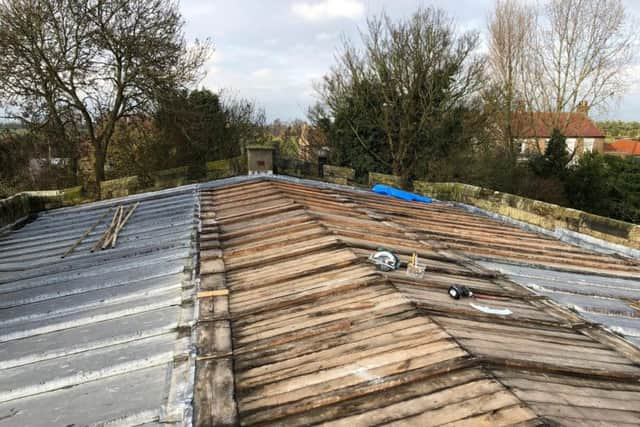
x=267, y=280
x=296, y=328
x=95, y=338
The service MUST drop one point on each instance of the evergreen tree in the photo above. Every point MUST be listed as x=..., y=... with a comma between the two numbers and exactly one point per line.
x=554, y=161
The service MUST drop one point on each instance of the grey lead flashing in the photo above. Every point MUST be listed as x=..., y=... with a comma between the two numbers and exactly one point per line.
x=178, y=407
x=187, y=395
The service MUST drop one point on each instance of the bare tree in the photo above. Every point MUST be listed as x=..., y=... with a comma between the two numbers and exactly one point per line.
x=511, y=28
x=577, y=56
x=92, y=62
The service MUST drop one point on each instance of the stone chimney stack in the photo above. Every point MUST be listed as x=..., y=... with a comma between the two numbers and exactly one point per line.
x=260, y=160
x=583, y=107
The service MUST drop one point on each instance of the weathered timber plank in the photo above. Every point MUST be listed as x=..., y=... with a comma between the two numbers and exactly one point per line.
x=337, y=356
x=367, y=369
x=359, y=399
x=575, y=415
x=214, y=403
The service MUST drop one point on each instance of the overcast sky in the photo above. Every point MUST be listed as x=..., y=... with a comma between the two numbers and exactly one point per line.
x=271, y=51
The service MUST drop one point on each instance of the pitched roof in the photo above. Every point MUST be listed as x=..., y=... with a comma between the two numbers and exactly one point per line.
x=624, y=146
x=96, y=337
x=320, y=336
x=294, y=327
x=541, y=124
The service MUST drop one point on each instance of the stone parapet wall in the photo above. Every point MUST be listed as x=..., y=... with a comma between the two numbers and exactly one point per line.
x=381, y=178
x=20, y=206
x=339, y=174
x=535, y=212
x=120, y=187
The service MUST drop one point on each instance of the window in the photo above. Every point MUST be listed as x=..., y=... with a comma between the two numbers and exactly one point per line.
x=588, y=144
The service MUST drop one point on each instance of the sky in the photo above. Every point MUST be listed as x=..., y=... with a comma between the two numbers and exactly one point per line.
x=272, y=51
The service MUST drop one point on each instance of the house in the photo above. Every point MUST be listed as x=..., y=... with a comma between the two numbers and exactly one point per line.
x=623, y=148
x=533, y=130
x=250, y=301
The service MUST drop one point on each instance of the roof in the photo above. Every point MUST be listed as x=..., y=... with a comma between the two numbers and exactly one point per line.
x=624, y=146
x=292, y=326
x=320, y=336
x=96, y=337
x=541, y=124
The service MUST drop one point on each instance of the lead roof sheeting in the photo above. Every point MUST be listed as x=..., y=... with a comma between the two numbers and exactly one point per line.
x=599, y=299
x=91, y=338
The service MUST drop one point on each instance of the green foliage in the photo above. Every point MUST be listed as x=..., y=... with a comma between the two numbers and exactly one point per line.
x=138, y=148
x=606, y=185
x=17, y=149
x=619, y=129
x=400, y=104
x=193, y=121
x=286, y=147
x=203, y=127
x=353, y=140
x=554, y=161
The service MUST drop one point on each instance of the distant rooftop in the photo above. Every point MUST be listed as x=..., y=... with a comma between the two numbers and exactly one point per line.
x=541, y=124
x=624, y=146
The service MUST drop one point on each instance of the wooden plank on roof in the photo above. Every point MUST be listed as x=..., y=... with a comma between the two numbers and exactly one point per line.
x=580, y=384
x=303, y=299
x=377, y=367
x=212, y=266
x=444, y=406
x=571, y=415
x=214, y=394
x=354, y=402
x=341, y=355
x=214, y=403
x=213, y=293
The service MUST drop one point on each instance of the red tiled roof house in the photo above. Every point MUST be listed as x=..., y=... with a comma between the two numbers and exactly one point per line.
x=623, y=148
x=533, y=131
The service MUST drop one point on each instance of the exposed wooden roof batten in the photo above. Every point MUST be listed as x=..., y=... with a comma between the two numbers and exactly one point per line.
x=318, y=336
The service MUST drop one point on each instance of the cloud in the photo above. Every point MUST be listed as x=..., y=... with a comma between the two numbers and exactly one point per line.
x=328, y=9
x=326, y=36
x=262, y=73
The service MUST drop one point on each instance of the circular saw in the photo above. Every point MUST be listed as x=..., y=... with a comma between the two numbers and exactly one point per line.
x=385, y=260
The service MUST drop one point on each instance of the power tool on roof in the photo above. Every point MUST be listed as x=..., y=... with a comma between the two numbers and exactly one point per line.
x=385, y=260
x=460, y=291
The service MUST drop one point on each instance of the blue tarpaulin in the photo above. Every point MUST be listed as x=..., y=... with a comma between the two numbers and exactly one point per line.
x=399, y=194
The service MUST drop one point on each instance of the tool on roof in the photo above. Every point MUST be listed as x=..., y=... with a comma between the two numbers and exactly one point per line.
x=385, y=260
x=415, y=268
x=461, y=291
